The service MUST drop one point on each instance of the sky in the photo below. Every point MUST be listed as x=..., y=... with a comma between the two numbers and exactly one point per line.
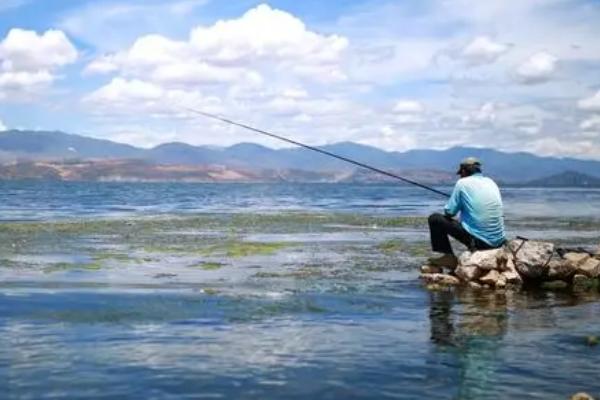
x=514, y=75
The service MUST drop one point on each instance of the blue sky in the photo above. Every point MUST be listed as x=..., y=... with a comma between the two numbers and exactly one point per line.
x=512, y=75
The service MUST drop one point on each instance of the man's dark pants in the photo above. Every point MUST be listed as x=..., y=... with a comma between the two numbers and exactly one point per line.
x=442, y=226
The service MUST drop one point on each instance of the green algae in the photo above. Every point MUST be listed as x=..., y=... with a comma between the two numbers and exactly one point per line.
x=65, y=266
x=414, y=249
x=209, y=266
x=236, y=249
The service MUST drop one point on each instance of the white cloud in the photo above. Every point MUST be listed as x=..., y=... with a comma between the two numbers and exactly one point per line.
x=263, y=60
x=408, y=107
x=122, y=97
x=29, y=61
x=269, y=68
x=482, y=50
x=233, y=50
x=538, y=68
x=266, y=33
x=592, y=123
x=486, y=114
x=590, y=103
x=2, y=126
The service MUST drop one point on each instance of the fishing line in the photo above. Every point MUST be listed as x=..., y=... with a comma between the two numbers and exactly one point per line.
x=318, y=150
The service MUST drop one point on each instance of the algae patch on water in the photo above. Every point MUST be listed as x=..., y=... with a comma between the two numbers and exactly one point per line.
x=414, y=249
x=235, y=249
x=208, y=266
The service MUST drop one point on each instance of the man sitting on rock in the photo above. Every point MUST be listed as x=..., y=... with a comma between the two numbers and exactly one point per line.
x=481, y=225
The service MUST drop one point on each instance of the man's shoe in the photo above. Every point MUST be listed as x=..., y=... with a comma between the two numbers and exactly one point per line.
x=447, y=260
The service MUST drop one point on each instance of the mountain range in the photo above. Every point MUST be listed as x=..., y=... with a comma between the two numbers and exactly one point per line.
x=250, y=159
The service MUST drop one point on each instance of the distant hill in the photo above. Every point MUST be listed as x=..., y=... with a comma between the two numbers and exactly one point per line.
x=566, y=179
x=437, y=165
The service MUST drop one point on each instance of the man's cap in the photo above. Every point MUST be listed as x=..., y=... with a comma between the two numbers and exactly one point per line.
x=469, y=161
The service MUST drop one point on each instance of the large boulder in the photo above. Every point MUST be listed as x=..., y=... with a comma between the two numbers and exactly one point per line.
x=484, y=259
x=531, y=257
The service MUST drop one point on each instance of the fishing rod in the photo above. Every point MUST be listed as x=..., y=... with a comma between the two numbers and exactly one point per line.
x=318, y=150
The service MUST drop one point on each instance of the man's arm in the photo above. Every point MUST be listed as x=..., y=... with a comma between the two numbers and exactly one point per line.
x=453, y=206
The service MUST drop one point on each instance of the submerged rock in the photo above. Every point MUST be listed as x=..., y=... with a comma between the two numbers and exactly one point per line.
x=582, y=282
x=555, y=285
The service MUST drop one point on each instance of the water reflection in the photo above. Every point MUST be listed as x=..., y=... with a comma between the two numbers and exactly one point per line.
x=502, y=342
x=470, y=326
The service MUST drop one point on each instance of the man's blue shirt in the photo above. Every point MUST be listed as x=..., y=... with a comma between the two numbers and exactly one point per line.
x=477, y=199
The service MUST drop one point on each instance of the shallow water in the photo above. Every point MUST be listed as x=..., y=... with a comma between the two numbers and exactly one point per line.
x=228, y=291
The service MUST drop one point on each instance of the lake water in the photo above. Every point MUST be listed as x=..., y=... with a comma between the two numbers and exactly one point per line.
x=171, y=291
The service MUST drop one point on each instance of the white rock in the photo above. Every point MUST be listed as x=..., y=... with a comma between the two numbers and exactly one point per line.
x=531, y=257
x=576, y=259
x=468, y=273
x=590, y=268
x=442, y=279
x=431, y=269
x=484, y=259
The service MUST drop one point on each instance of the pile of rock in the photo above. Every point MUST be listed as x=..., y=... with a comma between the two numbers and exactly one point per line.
x=520, y=261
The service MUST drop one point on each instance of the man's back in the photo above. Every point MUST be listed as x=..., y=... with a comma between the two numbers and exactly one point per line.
x=478, y=200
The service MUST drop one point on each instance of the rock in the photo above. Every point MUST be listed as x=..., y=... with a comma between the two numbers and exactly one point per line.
x=560, y=269
x=442, y=279
x=431, y=269
x=474, y=285
x=531, y=257
x=582, y=282
x=555, y=285
x=468, y=273
x=503, y=259
x=491, y=278
x=511, y=275
x=501, y=282
x=592, y=341
x=581, y=396
x=484, y=259
x=589, y=268
x=576, y=259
